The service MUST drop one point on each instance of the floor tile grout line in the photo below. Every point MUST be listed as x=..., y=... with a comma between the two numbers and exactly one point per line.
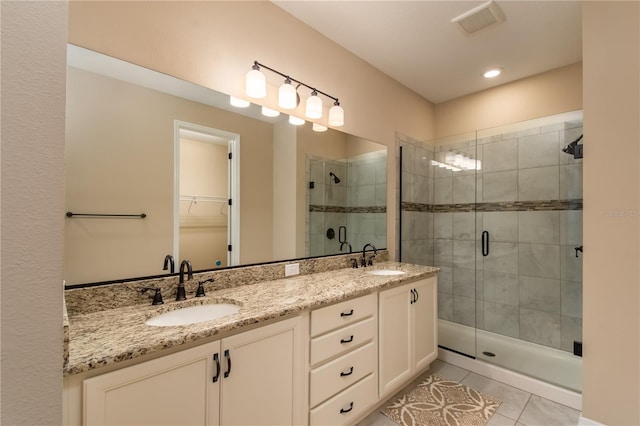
x=524, y=408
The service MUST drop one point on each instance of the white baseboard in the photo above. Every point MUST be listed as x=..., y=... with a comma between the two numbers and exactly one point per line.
x=528, y=384
x=583, y=421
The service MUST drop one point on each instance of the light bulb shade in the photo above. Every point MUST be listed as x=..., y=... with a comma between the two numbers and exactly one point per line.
x=458, y=160
x=268, y=112
x=287, y=96
x=448, y=157
x=466, y=163
x=256, y=84
x=336, y=116
x=296, y=121
x=314, y=107
x=239, y=103
x=319, y=127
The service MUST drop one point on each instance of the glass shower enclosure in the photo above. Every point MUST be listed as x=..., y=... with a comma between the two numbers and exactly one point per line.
x=499, y=211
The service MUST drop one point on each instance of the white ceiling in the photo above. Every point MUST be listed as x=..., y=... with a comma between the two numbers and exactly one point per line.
x=415, y=43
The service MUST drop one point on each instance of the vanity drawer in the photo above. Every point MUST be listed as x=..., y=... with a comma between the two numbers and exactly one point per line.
x=341, y=373
x=348, y=405
x=340, y=341
x=343, y=313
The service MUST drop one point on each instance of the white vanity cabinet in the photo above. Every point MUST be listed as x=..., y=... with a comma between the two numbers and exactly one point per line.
x=407, y=332
x=255, y=377
x=343, y=376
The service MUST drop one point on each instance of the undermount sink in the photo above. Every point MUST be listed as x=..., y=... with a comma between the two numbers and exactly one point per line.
x=193, y=315
x=385, y=272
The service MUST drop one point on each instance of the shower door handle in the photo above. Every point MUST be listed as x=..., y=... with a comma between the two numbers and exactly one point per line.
x=485, y=243
x=342, y=234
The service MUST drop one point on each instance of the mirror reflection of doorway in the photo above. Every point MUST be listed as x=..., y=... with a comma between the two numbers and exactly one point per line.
x=204, y=225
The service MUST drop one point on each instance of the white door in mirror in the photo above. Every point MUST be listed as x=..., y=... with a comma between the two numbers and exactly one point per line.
x=193, y=315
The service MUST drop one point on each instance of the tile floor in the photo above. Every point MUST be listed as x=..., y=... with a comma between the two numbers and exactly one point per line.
x=518, y=408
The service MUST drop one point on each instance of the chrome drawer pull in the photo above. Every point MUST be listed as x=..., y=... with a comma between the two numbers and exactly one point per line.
x=346, y=410
x=342, y=374
x=349, y=340
x=346, y=314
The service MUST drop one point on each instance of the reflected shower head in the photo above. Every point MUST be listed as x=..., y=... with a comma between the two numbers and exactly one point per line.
x=336, y=179
x=574, y=149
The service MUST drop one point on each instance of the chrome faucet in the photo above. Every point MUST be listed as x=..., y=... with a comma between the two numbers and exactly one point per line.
x=342, y=245
x=168, y=259
x=363, y=261
x=181, y=294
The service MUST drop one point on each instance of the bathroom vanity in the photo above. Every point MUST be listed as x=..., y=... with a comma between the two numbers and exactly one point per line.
x=321, y=348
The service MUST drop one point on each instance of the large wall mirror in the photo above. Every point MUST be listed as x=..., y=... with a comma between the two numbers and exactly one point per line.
x=142, y=143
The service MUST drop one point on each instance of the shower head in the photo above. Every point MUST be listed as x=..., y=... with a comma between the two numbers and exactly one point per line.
x=574, y=149
x=336, y=179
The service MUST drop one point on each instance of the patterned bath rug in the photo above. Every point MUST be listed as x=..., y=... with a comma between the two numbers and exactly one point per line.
x=442, y=402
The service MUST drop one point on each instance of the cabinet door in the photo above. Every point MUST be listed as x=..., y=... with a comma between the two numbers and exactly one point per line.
x=424, y=313
x=264, y=384
x=172, y=390
x=394, y=337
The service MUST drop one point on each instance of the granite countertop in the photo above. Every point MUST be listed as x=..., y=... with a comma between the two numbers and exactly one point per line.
x=102, y=338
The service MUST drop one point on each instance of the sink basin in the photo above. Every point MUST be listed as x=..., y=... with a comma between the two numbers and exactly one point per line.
x=193, y=315
x=385, y=272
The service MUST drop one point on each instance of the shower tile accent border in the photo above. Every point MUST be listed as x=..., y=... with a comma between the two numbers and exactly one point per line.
x=342, y=209
x=505, y=206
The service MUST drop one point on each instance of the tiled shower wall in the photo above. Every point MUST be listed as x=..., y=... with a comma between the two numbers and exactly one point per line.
x=528, y=196
x=358, y=202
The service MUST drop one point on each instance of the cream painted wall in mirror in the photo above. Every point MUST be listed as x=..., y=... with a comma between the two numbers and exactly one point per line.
x=119, y=158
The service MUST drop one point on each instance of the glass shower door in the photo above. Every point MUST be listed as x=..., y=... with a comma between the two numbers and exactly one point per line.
x=438, y=197
x=529, y=271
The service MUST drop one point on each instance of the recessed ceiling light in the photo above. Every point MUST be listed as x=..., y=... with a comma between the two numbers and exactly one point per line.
x=492, y=73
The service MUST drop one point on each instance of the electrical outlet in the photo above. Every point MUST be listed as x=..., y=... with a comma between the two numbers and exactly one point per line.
x=291, y=269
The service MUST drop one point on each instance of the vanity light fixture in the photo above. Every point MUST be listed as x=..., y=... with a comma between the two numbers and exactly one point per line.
x=239, y=103
x=296, y=121
x=336, y=115
x=319, y=127
x=268, y=112
x=256, y=83
x=314, y=105
x=288, y=97
x=492, y=73
x=456, y=161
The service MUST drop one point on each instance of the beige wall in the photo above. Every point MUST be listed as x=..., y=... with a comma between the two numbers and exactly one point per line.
x=32, y=216
x=611, y=52
x=549, y=93
x=120, y=159
x=33, y=67
x=215, y=43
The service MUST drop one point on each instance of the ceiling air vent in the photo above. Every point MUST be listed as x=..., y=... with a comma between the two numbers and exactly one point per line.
x=479, y=17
